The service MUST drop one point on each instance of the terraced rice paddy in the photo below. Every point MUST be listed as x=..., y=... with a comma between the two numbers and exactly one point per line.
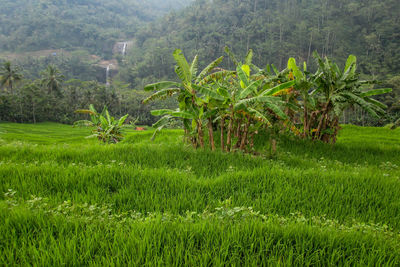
x=66, y=200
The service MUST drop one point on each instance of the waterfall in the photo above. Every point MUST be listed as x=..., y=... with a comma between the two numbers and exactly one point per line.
x=108, y=75
x=124, y=49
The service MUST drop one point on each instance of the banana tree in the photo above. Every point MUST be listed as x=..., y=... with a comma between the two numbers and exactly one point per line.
x=252, y=101
x=107, y=128
x=190, y=87
x=304, y=82
x=261, y=100
x=337, y=90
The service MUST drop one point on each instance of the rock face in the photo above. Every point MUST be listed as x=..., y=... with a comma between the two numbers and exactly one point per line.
x=122, y=47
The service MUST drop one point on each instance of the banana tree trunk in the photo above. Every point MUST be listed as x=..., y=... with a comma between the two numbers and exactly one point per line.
x=321, y=121
x=252, y=141
x=230, y=129
x=194, y=142
x=336, y=126
x=273, y=146
x=211, y=134
x=222, y=126
x=305, y=121
x=200, y=133
x=237, y=134
x=245, y=133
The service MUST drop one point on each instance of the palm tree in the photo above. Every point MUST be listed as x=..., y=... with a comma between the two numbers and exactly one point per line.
x=52, y=79
x=9, y=75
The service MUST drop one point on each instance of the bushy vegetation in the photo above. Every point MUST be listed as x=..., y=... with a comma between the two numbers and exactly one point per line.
x=69, y=200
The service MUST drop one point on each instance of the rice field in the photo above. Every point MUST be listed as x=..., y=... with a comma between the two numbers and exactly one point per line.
x=67, y=200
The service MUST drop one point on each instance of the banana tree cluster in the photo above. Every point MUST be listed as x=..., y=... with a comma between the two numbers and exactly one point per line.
x=236, y=105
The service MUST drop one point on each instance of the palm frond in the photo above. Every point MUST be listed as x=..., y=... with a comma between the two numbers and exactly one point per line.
x=278, y=88
x=361, y=102
x=249, y=57
x=376, y=92
x=207, y=92
x=216, y=76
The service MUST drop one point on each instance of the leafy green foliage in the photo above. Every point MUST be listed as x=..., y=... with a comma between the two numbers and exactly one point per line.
x=52, y=79
x=107, y=128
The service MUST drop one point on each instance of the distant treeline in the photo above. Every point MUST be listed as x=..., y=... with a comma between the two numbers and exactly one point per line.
x=52, y=97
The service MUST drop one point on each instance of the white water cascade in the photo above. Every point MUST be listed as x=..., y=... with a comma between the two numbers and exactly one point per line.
x=124, y=49
x=108, y=75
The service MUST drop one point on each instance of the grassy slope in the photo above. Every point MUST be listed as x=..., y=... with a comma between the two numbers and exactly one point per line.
x=168, y=204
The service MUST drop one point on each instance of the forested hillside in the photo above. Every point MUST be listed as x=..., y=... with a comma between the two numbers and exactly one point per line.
x=275, y=30
x=29, y=25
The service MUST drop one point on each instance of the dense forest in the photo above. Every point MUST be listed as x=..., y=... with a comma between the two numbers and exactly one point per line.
x=275, y=31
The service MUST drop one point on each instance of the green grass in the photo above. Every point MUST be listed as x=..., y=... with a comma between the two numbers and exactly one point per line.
x=77, y=202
